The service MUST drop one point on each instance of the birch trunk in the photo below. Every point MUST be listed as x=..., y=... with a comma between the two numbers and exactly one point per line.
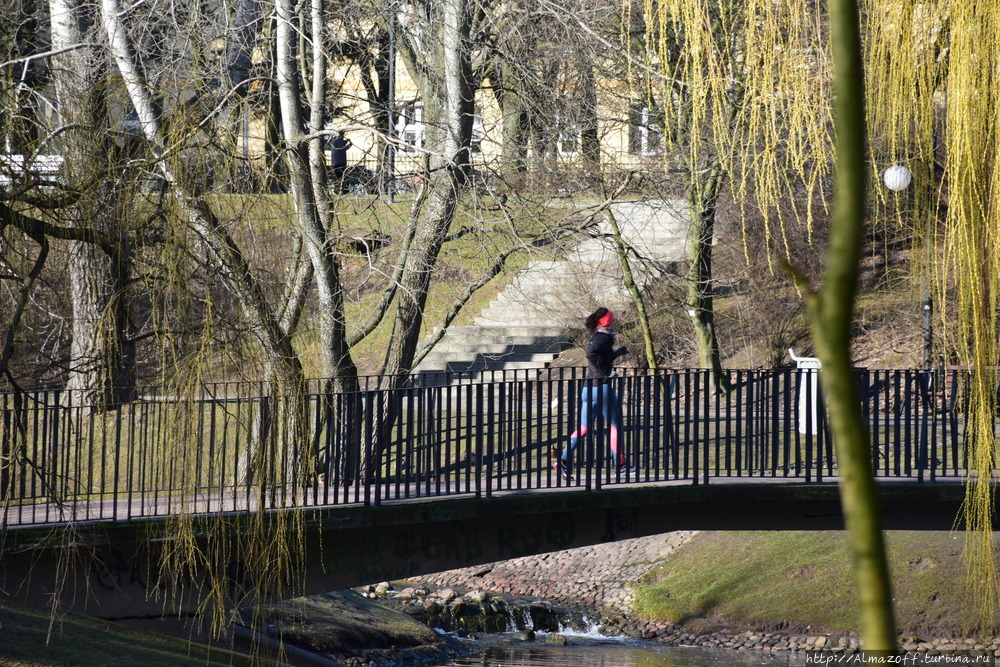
x=307, y=177
x=281, y=416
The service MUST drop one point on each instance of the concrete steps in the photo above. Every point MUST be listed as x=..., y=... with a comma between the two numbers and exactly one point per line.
x=525, y=326
x=471, y=351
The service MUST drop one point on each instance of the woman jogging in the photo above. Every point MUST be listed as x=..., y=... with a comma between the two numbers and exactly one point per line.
x=598, y=393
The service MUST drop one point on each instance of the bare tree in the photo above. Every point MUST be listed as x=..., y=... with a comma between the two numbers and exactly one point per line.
x=88, y=197
x=306, y=167
x=438, y=50
x=283, y=365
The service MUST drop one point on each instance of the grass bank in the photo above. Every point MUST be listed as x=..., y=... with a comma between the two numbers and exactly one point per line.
x=32, y=638
x=332, y=628
x=803, y=582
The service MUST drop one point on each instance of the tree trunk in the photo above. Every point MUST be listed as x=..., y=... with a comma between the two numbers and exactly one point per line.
x=590, y=140
x=447, y=94
x=514, y=149
x=102, y=364
x=703, y=196
x=307, y=177
x=412, y=293
x=832, y=324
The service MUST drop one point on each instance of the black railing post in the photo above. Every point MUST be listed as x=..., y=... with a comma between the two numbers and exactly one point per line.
x=490, y=436
x=899, y=410
x=356, y=446
x=711, y=389
x=801, y=410
x=367, y=409
x=117, y=464
x=696, y=422
x=380, y=439
x=773, y=425
x=690, y=410
x=478, y=435
x=500, y=447
x=925, y=386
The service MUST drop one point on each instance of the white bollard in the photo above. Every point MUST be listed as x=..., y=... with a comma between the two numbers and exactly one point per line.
x=808, y=392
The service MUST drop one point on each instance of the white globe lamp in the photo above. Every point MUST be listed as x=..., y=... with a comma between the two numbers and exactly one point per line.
x=897, y=178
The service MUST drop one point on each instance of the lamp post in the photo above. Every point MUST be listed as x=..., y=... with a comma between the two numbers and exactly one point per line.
x=898, y=178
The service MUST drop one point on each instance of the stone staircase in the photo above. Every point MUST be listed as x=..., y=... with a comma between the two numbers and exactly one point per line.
x=530, y=321
x=476, y=353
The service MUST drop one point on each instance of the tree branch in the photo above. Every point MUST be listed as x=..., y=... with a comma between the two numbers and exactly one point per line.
x=39, y=230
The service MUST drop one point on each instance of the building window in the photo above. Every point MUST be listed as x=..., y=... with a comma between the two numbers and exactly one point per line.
x=410, y=128
x=645, y=131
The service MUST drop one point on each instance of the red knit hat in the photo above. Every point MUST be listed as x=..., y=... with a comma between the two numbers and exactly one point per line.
x=606, y=319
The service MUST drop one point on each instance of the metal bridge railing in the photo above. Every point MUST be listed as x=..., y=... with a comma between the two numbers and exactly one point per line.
x=238, y=447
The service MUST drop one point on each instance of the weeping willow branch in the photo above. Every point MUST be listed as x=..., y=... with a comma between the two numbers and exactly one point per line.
x=22, y=303
x=972, y=178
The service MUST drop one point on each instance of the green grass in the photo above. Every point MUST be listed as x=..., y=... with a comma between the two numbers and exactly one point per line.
x=479, y=236
x=83, y=641
x=803, y=581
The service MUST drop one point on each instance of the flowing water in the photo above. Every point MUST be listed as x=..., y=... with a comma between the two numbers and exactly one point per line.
x=586, y=651
x=618, y=655
x=589, y=648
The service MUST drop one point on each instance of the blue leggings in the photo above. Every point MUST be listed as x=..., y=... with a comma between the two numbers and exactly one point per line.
x=590, y=397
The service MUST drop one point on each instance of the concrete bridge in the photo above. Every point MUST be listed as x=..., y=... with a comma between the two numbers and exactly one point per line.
x=117, y=571
x=167, y=504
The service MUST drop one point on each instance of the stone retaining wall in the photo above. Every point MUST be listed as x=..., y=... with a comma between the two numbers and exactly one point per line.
x=598, y=579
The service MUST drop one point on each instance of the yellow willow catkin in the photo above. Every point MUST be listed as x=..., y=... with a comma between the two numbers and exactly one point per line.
x=750, y=85
x=972, y=136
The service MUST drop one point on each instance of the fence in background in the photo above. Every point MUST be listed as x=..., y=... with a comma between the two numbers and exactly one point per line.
x=235, y=447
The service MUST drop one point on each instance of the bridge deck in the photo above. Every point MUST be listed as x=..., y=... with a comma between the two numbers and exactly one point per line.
x=320, y=498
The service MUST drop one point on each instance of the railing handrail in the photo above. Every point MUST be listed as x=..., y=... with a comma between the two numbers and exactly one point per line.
x=372, y=382
x=214, y=451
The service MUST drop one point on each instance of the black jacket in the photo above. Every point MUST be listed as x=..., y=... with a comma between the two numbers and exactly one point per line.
x=601, y=355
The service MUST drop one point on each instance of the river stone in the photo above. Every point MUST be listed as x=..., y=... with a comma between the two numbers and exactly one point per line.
x=543, y=617
x=346, y=627
x=477, y=596
x=383, y=588
x=556, y=639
